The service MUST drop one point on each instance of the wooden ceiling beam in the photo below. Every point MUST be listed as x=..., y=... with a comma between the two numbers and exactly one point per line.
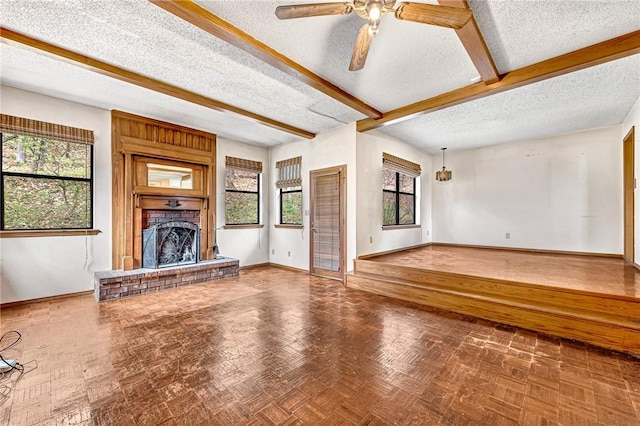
x=11, y=37
x=218, y=27
x=474, y=44
x=610, y=50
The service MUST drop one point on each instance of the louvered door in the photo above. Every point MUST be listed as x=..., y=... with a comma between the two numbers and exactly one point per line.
x=327, y=246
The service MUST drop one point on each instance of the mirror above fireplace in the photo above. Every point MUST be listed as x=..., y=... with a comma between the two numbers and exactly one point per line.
x=166, y=176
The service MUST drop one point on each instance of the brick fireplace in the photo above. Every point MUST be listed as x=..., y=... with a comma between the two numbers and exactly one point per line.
x=152, y=217
x=109, y=285
x=159, y=169
x=161, y=173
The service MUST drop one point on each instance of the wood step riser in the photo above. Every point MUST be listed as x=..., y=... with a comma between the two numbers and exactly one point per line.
x=565, y=299
x=587, y=329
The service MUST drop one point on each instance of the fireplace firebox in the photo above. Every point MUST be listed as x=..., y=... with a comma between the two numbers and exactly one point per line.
x=170, y=243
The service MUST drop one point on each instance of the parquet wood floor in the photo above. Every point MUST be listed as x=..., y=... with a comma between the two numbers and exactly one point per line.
x=605, y=275
x=280, y=347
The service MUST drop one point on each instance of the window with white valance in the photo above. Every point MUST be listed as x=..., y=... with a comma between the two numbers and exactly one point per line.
x=289, y=182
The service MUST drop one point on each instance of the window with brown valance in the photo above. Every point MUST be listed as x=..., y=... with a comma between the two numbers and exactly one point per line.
x=46, y=177
x=242, y=191
x=398, y=190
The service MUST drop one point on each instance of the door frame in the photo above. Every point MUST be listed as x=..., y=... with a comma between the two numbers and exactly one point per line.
x=342, y=228
x=628, y=188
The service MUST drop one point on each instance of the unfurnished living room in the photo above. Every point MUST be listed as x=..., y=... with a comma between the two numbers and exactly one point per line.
x=372, y=212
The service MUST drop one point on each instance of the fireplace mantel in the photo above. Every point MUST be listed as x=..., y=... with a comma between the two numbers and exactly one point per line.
x=136, y=143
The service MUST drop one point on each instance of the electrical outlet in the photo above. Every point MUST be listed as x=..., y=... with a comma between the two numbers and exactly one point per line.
x=289, y=253
x=507, y=235
x=370, y=239
x=273, y=251
x=427, y=232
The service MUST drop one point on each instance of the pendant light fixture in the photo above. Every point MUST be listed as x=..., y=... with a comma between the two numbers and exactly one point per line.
x=443, y=175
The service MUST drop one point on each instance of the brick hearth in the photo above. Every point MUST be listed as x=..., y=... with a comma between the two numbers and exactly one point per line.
x=109, y=285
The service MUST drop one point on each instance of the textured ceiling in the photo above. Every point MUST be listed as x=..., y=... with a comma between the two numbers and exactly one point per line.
x=407, y=62
x=523, y=32
x=30, y=71
x=594, y=97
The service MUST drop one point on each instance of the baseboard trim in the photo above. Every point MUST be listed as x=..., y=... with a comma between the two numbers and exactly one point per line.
x=43, y=299
x=256, y=265
x=289, y=268
x=381, y=253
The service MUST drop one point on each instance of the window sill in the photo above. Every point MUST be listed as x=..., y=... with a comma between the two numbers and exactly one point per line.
x=392, y=227
x=243, y=226
x=49, y=233
x=288, y=226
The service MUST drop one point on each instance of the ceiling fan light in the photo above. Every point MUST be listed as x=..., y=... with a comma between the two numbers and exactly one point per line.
x=374, y=11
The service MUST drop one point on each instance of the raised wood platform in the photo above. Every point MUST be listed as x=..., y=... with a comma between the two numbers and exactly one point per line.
x=591, y=299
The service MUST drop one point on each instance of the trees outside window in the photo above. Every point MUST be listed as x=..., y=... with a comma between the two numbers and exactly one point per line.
x=289, y=182
x=242, y=197
x=46, y=182
x=398, y=198
x=291, y=206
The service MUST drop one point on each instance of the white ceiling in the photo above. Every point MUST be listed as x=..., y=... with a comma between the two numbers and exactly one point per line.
x=407, y=62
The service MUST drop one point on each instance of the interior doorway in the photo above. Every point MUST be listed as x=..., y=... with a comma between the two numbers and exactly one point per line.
x=328, y=222
x=629, y=186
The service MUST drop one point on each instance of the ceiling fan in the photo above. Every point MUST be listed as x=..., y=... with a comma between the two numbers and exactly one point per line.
x=372, y=11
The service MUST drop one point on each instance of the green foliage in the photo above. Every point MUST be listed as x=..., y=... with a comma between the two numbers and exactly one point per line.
x=33, y=203
x=37, y=199
x=45, y=157
x=388, y=208
x=241, y=208
x=291, y=205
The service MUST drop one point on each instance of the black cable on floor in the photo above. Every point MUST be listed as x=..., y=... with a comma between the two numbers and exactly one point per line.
x=15, y=366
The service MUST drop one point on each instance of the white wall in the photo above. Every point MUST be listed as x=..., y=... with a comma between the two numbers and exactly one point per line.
x=250, y=246
x=46, y=266
x=332, y=148
x=633, y=119
x=370, y=147
x=557, y=193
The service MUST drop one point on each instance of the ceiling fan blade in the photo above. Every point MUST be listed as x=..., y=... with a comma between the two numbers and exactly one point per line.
x=317, y=9
x=443, y=16
x=361, y=49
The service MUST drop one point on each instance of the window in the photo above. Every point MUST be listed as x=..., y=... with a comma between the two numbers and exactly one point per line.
x=398, y=191
x=46, y=176
x=242, y=191
x=290, y=184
